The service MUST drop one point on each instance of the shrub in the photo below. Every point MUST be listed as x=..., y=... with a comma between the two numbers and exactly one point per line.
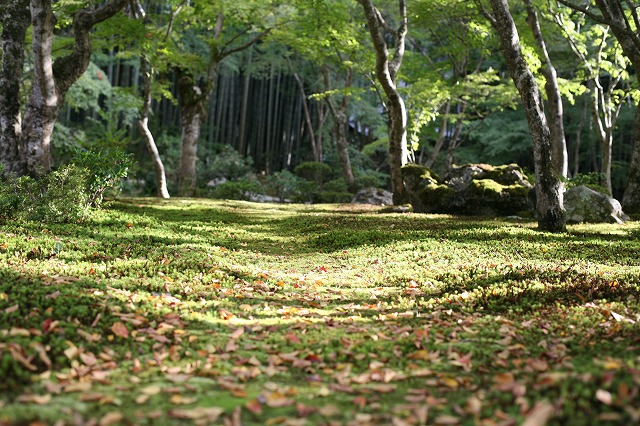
x=284, y=185
x=59, y=196
x=590, y=180
x=227, y=163
x=314, y=171
x=242, y=189
x=105, y=169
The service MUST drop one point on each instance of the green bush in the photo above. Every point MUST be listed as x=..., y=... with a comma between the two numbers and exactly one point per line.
x=372, y=178
x=314, y=171
x=226, y=163
x=241, y=189
x=58, y=197
x=284, y=185
x=335, y=197
x=590, y=180
x=105, y=169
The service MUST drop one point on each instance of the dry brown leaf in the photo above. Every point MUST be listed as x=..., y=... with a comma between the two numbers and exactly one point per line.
x=112, y=418
x=178, y=399
x=209, y=414
x=35, y=399
x=539, y=414
x=119, y=329
x=78, y=387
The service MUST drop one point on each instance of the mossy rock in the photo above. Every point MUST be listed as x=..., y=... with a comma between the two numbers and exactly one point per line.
x=473, y=189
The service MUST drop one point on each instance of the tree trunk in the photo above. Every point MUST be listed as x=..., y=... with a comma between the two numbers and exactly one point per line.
x=143, y=124
x=549, y=189
x=631, y=198
x=51, y=80
x=386, y=73
x=339, y=114
x=576, y=148
x=442, y=136
x=193, y=100
x=559, y=153
x=15, y=20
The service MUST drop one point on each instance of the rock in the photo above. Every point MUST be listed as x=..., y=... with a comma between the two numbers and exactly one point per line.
x=476, y=189
x=373, y=196
x=583, y=204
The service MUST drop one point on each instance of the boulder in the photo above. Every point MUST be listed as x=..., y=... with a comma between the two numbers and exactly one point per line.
x=372, y=195
x=474, y=189
x=583, y=204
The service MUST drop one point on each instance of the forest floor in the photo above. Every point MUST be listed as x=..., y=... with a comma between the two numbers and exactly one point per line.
x=217, y=312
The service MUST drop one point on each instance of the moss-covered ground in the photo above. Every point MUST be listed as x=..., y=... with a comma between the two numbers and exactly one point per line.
x=212, y=312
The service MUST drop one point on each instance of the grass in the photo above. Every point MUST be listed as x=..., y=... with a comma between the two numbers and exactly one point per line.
x=205, y=312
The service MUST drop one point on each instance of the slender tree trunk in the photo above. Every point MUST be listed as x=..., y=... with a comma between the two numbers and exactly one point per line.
x=576, y=148
x=317, y=156
x=555, y=114
x=442, y=135
x=631, y=198
x=339, y=114
x=386, y=73
x=549, y=188
x=143, y=124
x=15, y=20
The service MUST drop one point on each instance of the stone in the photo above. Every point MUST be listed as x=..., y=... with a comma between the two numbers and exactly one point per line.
x=584, y=204
x=472, y=189
x=372, y=195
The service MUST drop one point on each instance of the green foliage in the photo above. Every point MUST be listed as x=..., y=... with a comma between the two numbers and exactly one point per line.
x=225, y=162
x=242, y=189
x=58, y=197
x=314, y=171
x=592, y=180
x=104, y=170
x=284, y=185
x=501, y=138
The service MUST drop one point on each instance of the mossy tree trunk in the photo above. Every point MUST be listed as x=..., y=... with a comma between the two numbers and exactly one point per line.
x=387, y=73
x=50, y=80
x=549, y=188
x=15, y=20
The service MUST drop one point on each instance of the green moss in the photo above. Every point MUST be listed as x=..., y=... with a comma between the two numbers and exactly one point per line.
x=419, y=173
x=485, y=186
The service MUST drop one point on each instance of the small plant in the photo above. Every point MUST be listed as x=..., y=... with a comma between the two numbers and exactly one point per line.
x=105, y=168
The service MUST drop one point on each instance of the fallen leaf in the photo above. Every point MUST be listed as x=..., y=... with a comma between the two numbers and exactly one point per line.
x=119, y=329
x=112, y=418
x=446, y=420
x=209, y=414
x=178, y=399
x=254, y=406
x=78, y=387
x=35, y=399
x=539, y=414
x=604, y=396
x=151, y=390
x=11, y=309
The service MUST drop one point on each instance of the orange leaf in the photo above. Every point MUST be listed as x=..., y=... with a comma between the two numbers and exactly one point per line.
x=254, y=406
x=119, y=329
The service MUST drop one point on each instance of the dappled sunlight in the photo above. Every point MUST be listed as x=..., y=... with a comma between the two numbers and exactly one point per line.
x=304, y=311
